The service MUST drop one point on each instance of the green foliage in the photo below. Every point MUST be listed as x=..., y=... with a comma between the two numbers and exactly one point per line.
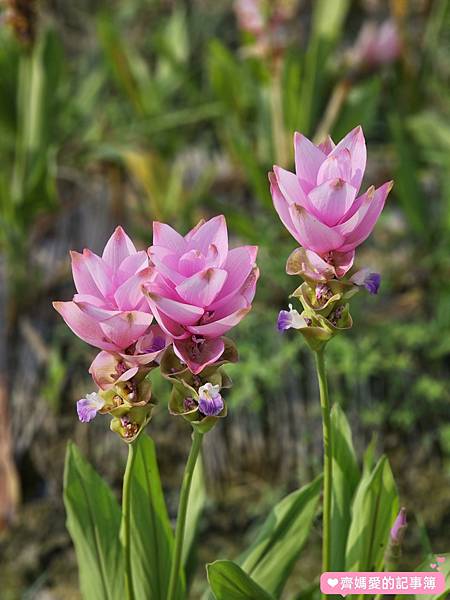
x=151, y=538
x=345, y=480
x=93, y=520
x=270, y=558
x=374, y=509
x=229, y=582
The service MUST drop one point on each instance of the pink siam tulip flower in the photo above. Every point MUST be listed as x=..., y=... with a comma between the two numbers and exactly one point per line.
x=109, y=310
x=201, y=290
x=250, y=16
x=376, y=45
x=319, y=204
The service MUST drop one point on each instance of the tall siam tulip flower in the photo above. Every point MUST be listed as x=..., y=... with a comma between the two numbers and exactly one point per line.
x=109, y=310
x=320, y=206
x=201, y=288
x=376, y=45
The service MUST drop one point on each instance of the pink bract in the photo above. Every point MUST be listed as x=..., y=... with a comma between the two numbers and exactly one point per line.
x=201, y=290
x=319, y=205
x=109, y=310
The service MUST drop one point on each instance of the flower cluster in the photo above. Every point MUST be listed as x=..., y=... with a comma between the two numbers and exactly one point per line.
x=179, y=299
x=319, y=205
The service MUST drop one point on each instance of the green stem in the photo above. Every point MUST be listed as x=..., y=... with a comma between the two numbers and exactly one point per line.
x=126, y=516
x=197, y=438
x=328, y=464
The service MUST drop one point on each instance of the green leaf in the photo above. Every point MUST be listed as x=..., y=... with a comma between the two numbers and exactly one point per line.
x=229, y=582
x=151, y=537
x=271, y=557
x=93, y=521
x=345, y=480
x=444, y=568
x=373, y=512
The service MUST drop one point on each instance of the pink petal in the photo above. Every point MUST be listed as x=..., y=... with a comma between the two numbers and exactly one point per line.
x=192, y=262
x=166, y=263
x=239, y=264
x=83, y=326
x=308, y=159
x=281, y=206
x=356, y=144
x=202, y=288
x=312, y=234
x=197, y=356
x=214, y=232
x=336, y=166
x=129, y=294
x=93, y=300
x=118, y=247
x=327, y=146
x=126, y=328
x=168, y=325
x=309, y=265
x=105, y=373
x=221, y=326
x=343, y=262
x=184, y=314
x=331, y=200
x=290, y=187
x=360, y=225
x=131, y=265
x=100, y=272
x=238, y=298
x=165, y=236
x=84, y=282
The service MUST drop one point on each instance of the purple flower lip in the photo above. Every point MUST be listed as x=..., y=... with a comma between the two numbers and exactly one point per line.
x=210, y=400
x=369, y=280
x=87, y=408
x=284, y=321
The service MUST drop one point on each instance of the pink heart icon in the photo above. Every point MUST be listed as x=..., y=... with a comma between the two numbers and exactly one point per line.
x=440, y=559
x=433, y=565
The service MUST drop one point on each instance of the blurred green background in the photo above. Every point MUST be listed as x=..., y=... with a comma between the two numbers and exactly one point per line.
x=124, y=112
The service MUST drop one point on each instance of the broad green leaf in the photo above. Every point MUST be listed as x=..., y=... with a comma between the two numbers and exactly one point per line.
x=345, y=480
x=93, y=521
x=373, y=512
x=151, y=538
x=229, y=582
x=444, y=568
x=271, y=557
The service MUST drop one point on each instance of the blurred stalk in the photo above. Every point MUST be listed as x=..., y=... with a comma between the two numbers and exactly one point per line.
x=333, y=109
x=279, y=134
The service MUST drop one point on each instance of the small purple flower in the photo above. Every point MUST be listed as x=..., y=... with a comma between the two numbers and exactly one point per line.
x=87, y=408
x=159, y=343
x=365, y=278
x=210, y=400
x=399, y=526
x=290, y=318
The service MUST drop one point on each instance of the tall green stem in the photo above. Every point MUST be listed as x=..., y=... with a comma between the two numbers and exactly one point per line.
x=126, y=517
x=197, y=438
x=328, y=461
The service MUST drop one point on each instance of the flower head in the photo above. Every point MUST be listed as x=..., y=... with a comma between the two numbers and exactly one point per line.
x=201, y=288
x=376, y=45
x=87, y=408
x=210, y=401
x=399, y=527
x=319, y=204
x=109, y=310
